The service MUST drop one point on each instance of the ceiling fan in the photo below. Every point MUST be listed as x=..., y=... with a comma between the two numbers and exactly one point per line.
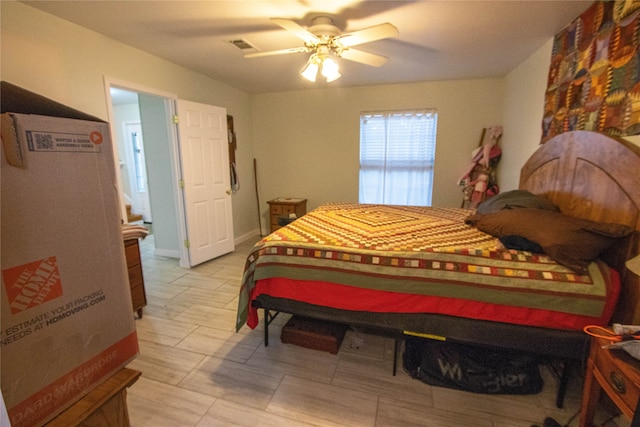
x=325, y=39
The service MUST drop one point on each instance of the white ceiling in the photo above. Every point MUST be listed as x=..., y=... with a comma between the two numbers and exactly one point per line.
x=439, y=40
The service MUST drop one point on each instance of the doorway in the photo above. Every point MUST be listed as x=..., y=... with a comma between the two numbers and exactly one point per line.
x=143, y=139
x=180, y=159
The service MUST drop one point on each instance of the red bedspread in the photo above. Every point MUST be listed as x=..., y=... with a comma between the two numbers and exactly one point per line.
x=379, y=258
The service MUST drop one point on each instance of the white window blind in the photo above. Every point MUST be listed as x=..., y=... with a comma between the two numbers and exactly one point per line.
x=397, y=152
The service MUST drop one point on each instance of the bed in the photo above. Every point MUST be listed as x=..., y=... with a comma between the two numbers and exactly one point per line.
x=382, y=268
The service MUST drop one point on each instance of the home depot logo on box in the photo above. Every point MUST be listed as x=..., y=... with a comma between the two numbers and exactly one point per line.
x=32, y=284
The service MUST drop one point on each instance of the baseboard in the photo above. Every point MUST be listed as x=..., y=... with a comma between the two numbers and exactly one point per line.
x=167, y=253
x=247, y=236
x=176, y=253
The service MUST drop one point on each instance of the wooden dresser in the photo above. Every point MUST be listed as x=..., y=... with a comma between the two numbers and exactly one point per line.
x=284, y=207
x=136, y=280
x=105, y=406
x=616, y=373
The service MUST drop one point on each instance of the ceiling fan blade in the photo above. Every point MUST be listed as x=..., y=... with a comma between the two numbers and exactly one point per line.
x=277, y=52
x=363, y=57
x=297, y=30
x=367, y=35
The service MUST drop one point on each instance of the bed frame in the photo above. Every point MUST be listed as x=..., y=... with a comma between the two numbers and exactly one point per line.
x=596, y=177
x=588, y=175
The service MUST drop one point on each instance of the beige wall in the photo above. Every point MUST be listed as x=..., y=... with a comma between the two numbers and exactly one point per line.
x=525, y=88
x=67, y=63
x=305, y=142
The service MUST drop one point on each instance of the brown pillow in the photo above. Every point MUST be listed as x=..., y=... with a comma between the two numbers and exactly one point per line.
x=570, y=241
x=515, y=199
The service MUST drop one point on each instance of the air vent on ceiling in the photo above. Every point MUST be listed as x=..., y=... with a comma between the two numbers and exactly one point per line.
x=243, y=45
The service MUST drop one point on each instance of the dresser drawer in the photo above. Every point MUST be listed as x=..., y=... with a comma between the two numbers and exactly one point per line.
x=288, y=209
x=274, y=222
x=138, y=297
x=135, y=276
x=623, y=389
x=132, y=252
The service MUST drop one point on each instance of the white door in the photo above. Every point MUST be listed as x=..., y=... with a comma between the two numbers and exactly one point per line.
x=204, y=162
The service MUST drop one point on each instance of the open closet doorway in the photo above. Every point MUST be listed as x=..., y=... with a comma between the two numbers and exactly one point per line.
x=133, y=171
x=187, y=170
x=142, y=132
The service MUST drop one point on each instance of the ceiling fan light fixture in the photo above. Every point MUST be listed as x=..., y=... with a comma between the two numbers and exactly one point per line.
x=310, y=70
x=326, y=42
x=323, y=64
x=330, y=69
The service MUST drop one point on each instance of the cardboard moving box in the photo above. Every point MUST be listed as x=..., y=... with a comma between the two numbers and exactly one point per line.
x=66, y=317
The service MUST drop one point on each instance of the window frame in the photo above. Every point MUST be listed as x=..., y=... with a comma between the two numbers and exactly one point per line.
x=394, y=143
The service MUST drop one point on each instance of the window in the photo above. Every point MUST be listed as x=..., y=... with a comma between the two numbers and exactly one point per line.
x=138, y=161
x=397, y=152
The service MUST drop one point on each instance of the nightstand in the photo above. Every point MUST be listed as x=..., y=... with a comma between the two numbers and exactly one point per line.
x=618, y=374
x=284, y=207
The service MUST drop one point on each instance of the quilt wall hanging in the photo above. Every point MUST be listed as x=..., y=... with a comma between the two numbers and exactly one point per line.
x=594, y=78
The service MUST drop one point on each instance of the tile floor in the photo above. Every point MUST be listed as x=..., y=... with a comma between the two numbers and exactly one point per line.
x=197, y=371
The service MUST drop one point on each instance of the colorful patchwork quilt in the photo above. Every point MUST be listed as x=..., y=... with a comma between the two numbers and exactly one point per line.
x=382, y=258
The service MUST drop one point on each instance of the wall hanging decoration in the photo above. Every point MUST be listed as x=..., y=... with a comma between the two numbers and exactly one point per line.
x=594, y=78
x=479, y=180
